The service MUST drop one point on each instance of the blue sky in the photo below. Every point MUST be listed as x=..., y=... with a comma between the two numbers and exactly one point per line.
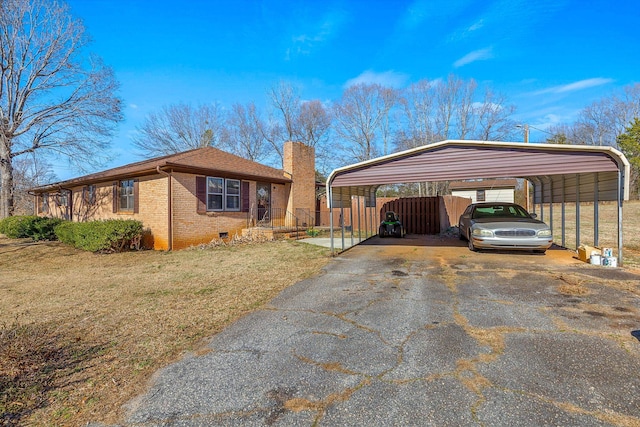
x=550, y=58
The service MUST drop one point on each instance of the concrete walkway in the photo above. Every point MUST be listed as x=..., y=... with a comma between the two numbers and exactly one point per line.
x=326, y=242
x=420, y=335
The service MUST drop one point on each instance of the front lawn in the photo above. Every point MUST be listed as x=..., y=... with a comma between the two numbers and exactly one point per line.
x=81, y=333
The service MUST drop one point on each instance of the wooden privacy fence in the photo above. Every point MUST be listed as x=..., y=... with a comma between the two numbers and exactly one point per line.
x=427, y=215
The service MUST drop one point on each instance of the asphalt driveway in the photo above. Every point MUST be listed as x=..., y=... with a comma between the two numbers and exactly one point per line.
x=420, y=332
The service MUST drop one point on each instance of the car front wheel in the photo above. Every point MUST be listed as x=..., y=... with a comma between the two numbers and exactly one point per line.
x=472, y=248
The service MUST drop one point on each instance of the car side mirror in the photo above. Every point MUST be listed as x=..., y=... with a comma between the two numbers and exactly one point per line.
x=534, y=215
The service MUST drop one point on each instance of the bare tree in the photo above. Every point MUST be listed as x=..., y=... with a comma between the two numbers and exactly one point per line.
x=465, y=110
x=52, y=97
x=29, y=172
x=418, y=111
x=179, y=128
x=446, y=94
x=360, y=118
x=313, y=129
x=598, y=122
x=244, y=134
x=604, y=120
x=286, y=101
x=433, y=111
x=294, y=120
x=282, y=125
x=440, y=110
x=313, y=123
x=493, y=118
x=630, y=105
x=561, y=134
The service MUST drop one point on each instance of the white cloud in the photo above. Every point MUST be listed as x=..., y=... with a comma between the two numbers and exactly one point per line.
x=466, y=32
x=322, y=31
x=387, y=78
x=133, y=106
x=476, y=26
x=476, y=55
x=579, y=85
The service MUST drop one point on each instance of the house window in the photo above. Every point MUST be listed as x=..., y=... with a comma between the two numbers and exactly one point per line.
x=89, y=195
x=220, y=194
x=44, y=203
x=232, y=194
x=63, y=198
x=215, y=193
x=480, y=197
x=126, y=195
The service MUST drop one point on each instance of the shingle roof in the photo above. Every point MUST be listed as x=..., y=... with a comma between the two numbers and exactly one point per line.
x=207, y=160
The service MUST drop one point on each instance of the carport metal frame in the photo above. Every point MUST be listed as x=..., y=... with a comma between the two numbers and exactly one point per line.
x=559, y=174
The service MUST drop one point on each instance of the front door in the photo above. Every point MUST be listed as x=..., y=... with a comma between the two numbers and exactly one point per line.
x=263, y=196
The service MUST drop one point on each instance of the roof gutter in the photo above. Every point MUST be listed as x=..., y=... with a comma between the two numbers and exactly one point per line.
x=169, y=207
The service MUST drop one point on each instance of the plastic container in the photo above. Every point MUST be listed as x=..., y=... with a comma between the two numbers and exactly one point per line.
x=595, y=259
x=607, y=252
x=610, y=261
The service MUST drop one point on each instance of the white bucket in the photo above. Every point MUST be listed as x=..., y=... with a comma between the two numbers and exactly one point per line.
x=607, y=252
x=595, y=259
x=610, y=261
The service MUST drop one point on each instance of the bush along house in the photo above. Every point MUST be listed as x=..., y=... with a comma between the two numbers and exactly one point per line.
x=192, y=197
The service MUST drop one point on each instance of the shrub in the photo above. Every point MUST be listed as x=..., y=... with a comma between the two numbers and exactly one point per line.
x=65, y=232
x=31, y=226
x=313, y=232
x=113, y=235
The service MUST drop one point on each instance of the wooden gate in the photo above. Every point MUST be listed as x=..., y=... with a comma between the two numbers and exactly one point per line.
x=418, y=215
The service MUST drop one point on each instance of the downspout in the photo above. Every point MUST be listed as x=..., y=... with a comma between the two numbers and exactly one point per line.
x=169, y=208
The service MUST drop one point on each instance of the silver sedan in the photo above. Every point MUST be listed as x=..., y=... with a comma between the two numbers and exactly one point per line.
x=503, y=226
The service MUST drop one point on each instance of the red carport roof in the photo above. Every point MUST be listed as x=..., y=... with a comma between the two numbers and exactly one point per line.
x=554, y=166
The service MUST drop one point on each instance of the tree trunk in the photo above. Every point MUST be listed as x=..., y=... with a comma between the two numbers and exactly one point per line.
x=6, y=184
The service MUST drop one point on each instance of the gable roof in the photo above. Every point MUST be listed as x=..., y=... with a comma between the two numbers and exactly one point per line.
x=203, y=161
x=574, y=168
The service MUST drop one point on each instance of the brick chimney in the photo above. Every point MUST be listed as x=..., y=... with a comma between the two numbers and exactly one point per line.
x=299, y=164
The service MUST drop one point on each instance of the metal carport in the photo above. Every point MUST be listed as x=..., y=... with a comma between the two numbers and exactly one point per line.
x=559, y=174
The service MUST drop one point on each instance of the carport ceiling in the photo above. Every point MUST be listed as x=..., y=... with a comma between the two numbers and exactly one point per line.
x=559, y=172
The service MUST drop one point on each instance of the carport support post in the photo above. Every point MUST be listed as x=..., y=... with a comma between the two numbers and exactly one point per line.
x=351, y=216
x=563, y=212
x=551, y=206
x=330, y=196
x=541, y=201
x=620, y=199
x=342, y=218
x=366, y=230
x=374, y=207
x=596, y=229
x=577, y=211
x=359, y=228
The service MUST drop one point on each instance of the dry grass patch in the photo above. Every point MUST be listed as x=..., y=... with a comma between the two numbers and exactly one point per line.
x=607, y=225
x=82, y=333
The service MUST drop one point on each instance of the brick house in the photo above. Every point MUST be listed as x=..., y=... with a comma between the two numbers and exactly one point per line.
x=191, y=197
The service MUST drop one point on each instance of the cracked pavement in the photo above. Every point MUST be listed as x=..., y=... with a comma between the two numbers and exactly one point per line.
x=399, y=332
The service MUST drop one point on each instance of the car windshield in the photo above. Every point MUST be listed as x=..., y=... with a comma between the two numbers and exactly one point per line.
x=499, y=211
